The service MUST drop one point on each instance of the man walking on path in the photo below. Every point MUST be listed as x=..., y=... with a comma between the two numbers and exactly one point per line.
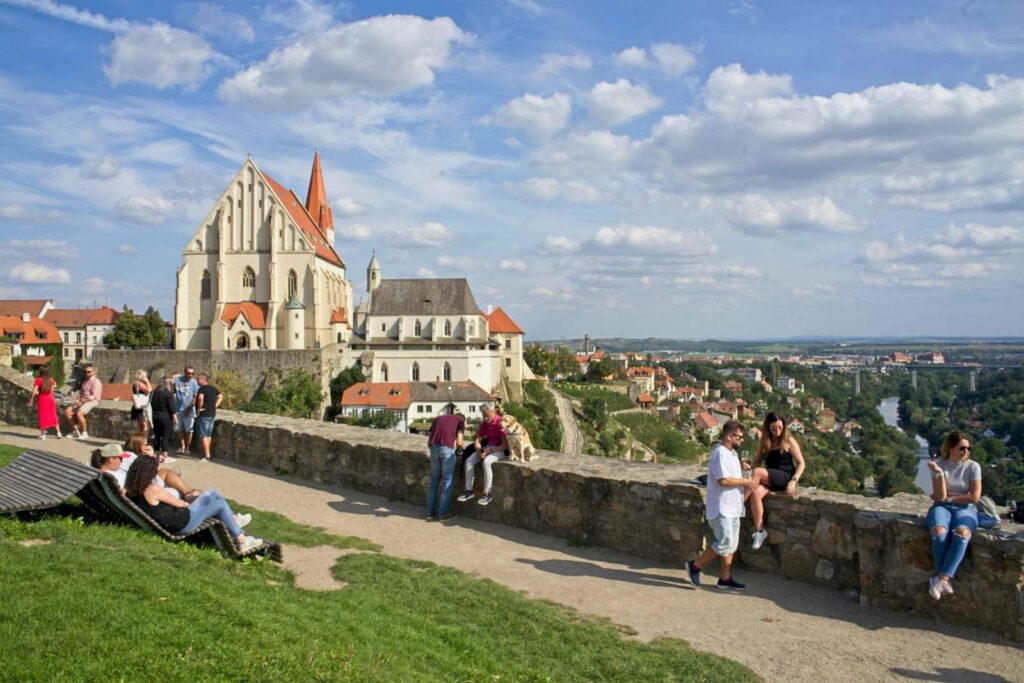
x=208, y=399
x=89, y=396
x=445, y=437
x=185, y=389
x=727, y=490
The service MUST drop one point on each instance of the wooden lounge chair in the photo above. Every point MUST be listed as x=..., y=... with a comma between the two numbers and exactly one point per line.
x=37, y=480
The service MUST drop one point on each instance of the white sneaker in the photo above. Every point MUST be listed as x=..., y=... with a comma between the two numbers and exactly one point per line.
x=76, y=434
x=250, y=543
x=84, y=435
x=59, y=435
x=243, y=519
x=759, y=538
x=935, y=587
x=947, y=588
x=42, y=437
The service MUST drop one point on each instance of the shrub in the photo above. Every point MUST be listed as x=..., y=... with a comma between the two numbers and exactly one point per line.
x=297, y=395
x=232, y=387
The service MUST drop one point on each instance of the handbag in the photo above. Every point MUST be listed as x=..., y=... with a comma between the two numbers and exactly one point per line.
x=988, y=513
x=140, y=401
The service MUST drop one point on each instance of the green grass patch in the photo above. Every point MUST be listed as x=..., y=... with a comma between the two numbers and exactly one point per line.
x=613, y=399
x=9, y=453
x=657, y=434
x=90, y=601
x=283, y=530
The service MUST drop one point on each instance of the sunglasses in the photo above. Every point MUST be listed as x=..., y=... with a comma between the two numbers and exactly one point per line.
x=964, y=448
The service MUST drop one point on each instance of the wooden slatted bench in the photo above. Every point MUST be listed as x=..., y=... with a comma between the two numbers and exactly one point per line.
x=37, y=480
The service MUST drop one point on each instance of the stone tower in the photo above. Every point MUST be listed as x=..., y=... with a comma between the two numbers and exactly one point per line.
x=372, y=274
x=295, y=323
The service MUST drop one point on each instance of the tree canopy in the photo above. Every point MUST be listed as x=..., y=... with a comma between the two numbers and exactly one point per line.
x=138, y=331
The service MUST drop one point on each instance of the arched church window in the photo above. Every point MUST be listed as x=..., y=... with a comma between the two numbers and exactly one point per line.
x=249, y=277
x=447, y=372
x=418, y=329
x=204, y=286
x=383, y=372
x=415, y=372
x=447, y=328
x=293, y=283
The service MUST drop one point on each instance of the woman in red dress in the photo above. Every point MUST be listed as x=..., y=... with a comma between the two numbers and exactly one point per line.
x=43, y=388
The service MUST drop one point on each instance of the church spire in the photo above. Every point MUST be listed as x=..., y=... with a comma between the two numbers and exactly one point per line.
x=316, y=200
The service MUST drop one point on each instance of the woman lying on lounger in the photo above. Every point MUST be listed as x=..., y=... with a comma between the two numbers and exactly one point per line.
x=116, y=460
x=176, y=516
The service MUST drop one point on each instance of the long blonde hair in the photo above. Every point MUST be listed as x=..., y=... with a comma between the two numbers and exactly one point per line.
x=764, y=444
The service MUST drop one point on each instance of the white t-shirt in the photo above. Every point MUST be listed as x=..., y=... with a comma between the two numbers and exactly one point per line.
x=121, y=474
x=959, y=476
x=726, y=501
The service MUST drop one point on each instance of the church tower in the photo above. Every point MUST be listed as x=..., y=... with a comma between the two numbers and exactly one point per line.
x=372, y=274
x=316, y=201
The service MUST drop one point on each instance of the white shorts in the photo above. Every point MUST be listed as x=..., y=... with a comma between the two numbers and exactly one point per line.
x=727, y=534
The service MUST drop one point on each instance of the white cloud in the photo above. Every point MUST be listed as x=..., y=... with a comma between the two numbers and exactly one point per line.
x=37, y=274
x=745, y=8
x=14, y=212
x=512, y=264
x=560, y=244
x=94, y=286
x=654, y=240
x=539, y=116
x=704, y=275
x=672, y=59
x=346, y=206
x=214, y=21
x=986, y=237
x=43, y=249
x=160, y=55
x=73, y=14
x=126, y=249
x=29, y=214
x=142, y=209
x=551, y=64
x=756, y=214
x=102, y=168
x=552, y=188
x=426, y=235
x=379, y=55
x=730, y=87
x=455, y=262
x=426, y=272
x=613, y=103
x=357, y=232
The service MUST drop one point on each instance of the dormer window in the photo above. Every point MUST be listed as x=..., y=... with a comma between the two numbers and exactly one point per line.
x=364, y=392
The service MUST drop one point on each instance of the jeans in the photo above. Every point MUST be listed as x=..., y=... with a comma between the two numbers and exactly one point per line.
x=210, y=504
x=471, y=462
x=949, y=547
x=442, y=470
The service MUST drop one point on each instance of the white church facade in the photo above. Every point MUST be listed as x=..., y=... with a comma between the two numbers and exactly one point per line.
x=261, y=272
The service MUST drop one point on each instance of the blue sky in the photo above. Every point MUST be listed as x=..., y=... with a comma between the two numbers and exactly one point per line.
x=687, y=169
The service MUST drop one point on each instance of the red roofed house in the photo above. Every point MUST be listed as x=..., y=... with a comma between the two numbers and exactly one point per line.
x=28, y=332
x=36, y=308
x=510, y=344
x=645, y=400
x=707, y=424
x=414, y=400
x=262, y=249
x=826, y=420
x=83, y=330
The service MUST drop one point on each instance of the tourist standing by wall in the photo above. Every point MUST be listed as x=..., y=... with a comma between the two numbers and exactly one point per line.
x=208, y=399
x=727, y=490
x=163, y=404
x=43, y=389
x=141, y=391
x=185, y=389
x=445, y=436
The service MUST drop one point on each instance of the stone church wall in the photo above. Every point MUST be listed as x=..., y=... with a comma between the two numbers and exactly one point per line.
x=876, y=550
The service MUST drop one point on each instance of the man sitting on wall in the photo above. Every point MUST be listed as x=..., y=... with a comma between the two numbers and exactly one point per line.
x=493, y=434
x=89, y=396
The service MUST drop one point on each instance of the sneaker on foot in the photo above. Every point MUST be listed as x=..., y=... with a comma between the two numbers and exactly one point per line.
x=42, y=437
x=243, y=519
x=694, y=571
x=59, y=435
x=250, y=543
x=76, y=434
x=429, y=518
x=935, y=587
x=485, y=500
x=947, y=588
x=447, y=518
x=732, y=584
x=84, y=435
x=468, y=495
x=759, y=538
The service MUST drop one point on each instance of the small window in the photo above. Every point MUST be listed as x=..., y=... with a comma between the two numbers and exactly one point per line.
x=415, y=372
x=239, y=202
x=430, y=409
x=508, y=362
x=204, y=286
x=418, y=329
x=296, y=316
x=419, y=409
x=249, y=277
x=339, y=337
x=66, y=351
x=447, y=328
x=296, y=335
x=293, y=283
x=65, y=337
x=508, y=343
x=472, y=408
x=78, y=337
x=447, y=372
x=383, y=327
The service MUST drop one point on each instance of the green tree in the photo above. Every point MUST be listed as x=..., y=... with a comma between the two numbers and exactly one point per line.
x=232, y=387
x=595, y=411
x=297, y=395
x=600, y=369
x=384, y=419
x=137, y=331
x=539, y=359
x=343, y=380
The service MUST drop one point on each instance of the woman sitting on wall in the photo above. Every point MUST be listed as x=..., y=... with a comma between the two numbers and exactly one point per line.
x=956, y=489
x=176, y=516
x=783, y=467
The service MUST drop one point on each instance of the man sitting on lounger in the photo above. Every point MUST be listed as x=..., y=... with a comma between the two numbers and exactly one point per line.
x=114, y=460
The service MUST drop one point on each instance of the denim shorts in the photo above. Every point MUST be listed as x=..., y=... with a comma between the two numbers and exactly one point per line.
x=727, y=534
x=204, y=427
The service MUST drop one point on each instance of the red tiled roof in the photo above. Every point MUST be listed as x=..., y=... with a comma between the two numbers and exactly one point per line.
x=316, y=197
x=378, y=395
x=37, y=360
x=80, y=317
x=35, y=331
x=104, y=315
x=500, y=323
x=305, y=222
x=705, y=421
x=645, y=397
x=255, y=314
x=640, y=372
x=339, y=315
x=18, y=306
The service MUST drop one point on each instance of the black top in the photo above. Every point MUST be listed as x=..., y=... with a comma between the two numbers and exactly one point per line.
x=169, y=517
x=209, y=394
x=163, y=402
x=778, y=459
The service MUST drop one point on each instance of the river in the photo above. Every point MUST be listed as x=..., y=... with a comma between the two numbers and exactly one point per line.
x=889, y=409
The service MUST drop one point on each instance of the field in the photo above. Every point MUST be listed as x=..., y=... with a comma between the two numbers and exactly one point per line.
x=613, y=399
x=91, y=601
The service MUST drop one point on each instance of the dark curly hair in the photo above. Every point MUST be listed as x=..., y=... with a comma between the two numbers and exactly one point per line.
x=140, y=475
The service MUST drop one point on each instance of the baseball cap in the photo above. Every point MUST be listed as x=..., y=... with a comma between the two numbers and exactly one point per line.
x=113, y=450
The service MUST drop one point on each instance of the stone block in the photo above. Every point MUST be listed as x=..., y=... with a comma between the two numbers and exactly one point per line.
x=824, y=570
x=832, y=541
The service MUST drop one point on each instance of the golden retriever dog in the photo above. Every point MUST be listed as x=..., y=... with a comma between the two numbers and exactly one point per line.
x=519, y=445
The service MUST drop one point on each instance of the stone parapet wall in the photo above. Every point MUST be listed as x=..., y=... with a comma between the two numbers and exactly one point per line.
x=877, y=549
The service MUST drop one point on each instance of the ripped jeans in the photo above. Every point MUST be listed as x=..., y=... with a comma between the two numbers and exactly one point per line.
x=949, y=548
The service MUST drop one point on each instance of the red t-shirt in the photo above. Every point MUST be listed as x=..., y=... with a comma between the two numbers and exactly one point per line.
x=444, y=430
x=492, y=431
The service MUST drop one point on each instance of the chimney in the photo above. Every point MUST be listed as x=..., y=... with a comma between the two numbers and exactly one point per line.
x=586, y=343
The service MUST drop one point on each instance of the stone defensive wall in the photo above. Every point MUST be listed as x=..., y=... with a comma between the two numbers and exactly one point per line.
x=876, y=550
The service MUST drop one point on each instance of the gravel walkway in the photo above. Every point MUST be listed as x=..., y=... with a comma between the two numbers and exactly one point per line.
x=781, y=629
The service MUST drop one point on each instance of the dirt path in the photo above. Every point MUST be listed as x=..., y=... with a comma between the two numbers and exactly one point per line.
x=572, y=439
x=781, y=629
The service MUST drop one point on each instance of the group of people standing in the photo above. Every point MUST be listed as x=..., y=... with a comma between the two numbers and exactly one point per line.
x=182, y=404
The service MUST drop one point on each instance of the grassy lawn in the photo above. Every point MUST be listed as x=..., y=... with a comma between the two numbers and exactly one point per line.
x=90, y=601
x=9, y=453
x=613, y=399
